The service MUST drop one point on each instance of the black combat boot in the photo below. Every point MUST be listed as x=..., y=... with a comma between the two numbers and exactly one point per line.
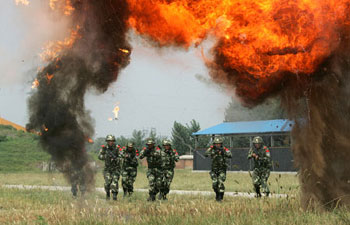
x=267, y=194
x=115, y=195
x=258, y=193
x=74, y=192
x=130, y=193
x=108, y=194
x=125, y=192
x=217, y=196
x=151, y=198
x=222, y=195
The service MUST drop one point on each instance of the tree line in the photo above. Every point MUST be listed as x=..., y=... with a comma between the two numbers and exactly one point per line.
x=181, y=137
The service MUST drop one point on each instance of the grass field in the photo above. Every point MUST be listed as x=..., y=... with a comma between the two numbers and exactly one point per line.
x=20, y=151
x=183, y=180
x=20, y=157
x=56, y=207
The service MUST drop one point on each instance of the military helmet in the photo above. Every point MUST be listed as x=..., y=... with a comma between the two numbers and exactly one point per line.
x=150, y=141
x=218, y=140
x=110, y=137
x=258, y=140
x=130, y=145
x=166, y=142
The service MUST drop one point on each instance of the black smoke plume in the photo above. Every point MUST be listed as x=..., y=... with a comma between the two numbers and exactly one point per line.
x=57, y=107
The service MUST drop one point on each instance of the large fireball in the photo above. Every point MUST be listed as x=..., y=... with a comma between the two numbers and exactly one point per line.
x=261, y=37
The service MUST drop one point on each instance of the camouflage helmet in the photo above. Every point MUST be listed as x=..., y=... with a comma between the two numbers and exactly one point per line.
x=166, y=142
x=258, y=140
x=130, y=145
x=110, y=137
x=150, y=141
x=218, y=140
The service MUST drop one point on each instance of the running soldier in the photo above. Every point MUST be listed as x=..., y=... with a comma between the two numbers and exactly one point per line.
x=262, y=166
x=169, y=162
x=129, y=170
x=219, y=155
x=154, y=158
x=113, y=163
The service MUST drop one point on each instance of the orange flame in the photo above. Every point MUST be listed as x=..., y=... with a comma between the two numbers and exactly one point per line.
x=53, y=4
x=45, y=128
x=35, y=83
x=24, y=2
x=116, y=112
x=259, y=37
x=65, y=6
x=124, y=50
x=53, y=49
x=49, y=77
x=90, y=140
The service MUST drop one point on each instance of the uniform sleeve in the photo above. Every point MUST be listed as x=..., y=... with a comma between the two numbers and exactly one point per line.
x=102, y=154
x=208, y=152
x=267, y=156
x=143, y=153
x=250, y=153
x=176, y=156
x=228, y=153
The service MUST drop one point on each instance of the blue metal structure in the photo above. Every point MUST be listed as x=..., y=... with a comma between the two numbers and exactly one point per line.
x=249, y=128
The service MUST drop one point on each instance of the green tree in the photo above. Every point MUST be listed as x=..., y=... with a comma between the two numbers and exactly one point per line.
x=182, y=137
x=138, y=137
x=122, y=141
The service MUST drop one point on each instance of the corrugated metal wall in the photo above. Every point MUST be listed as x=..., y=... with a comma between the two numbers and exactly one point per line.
x=282, y=160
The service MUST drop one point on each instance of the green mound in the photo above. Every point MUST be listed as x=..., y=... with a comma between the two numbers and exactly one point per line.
x=20, y=151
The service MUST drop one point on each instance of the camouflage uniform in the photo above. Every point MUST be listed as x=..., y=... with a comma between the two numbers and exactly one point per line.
x=219, y=155
x=129, y=170
x=113, y=163
x=262, y=166
x=154, y=158
x=169, y=162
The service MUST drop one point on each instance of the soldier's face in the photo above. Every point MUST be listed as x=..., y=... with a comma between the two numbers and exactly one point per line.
x=110, y=143
x=218, y=145
x=257, y=145
x=150, y=146
x=167, y=147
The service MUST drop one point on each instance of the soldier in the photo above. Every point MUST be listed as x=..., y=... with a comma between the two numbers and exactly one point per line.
x=154, y=158
x=169, y=161
x=129, y=170
x=77, y=180
x=219, y=155
x=110, y=154
x=262, y=166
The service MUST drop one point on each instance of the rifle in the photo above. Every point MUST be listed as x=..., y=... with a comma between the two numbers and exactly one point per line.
x=111, y=154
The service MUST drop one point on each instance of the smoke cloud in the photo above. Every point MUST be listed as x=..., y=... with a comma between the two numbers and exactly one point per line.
x=57, y=107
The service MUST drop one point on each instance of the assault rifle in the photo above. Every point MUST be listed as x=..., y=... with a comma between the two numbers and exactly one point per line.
x=111, y=154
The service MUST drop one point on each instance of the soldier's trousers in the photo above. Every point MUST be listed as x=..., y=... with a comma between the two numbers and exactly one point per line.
x=111, y=180
x=154, y=176
x=74, y=188
x=259, y=178
x=168, y=176
x=218, y=178
x=128, y=179
x=78, y=182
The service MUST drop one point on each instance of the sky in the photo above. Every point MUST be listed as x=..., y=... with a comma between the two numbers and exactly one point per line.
x=157, y=88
